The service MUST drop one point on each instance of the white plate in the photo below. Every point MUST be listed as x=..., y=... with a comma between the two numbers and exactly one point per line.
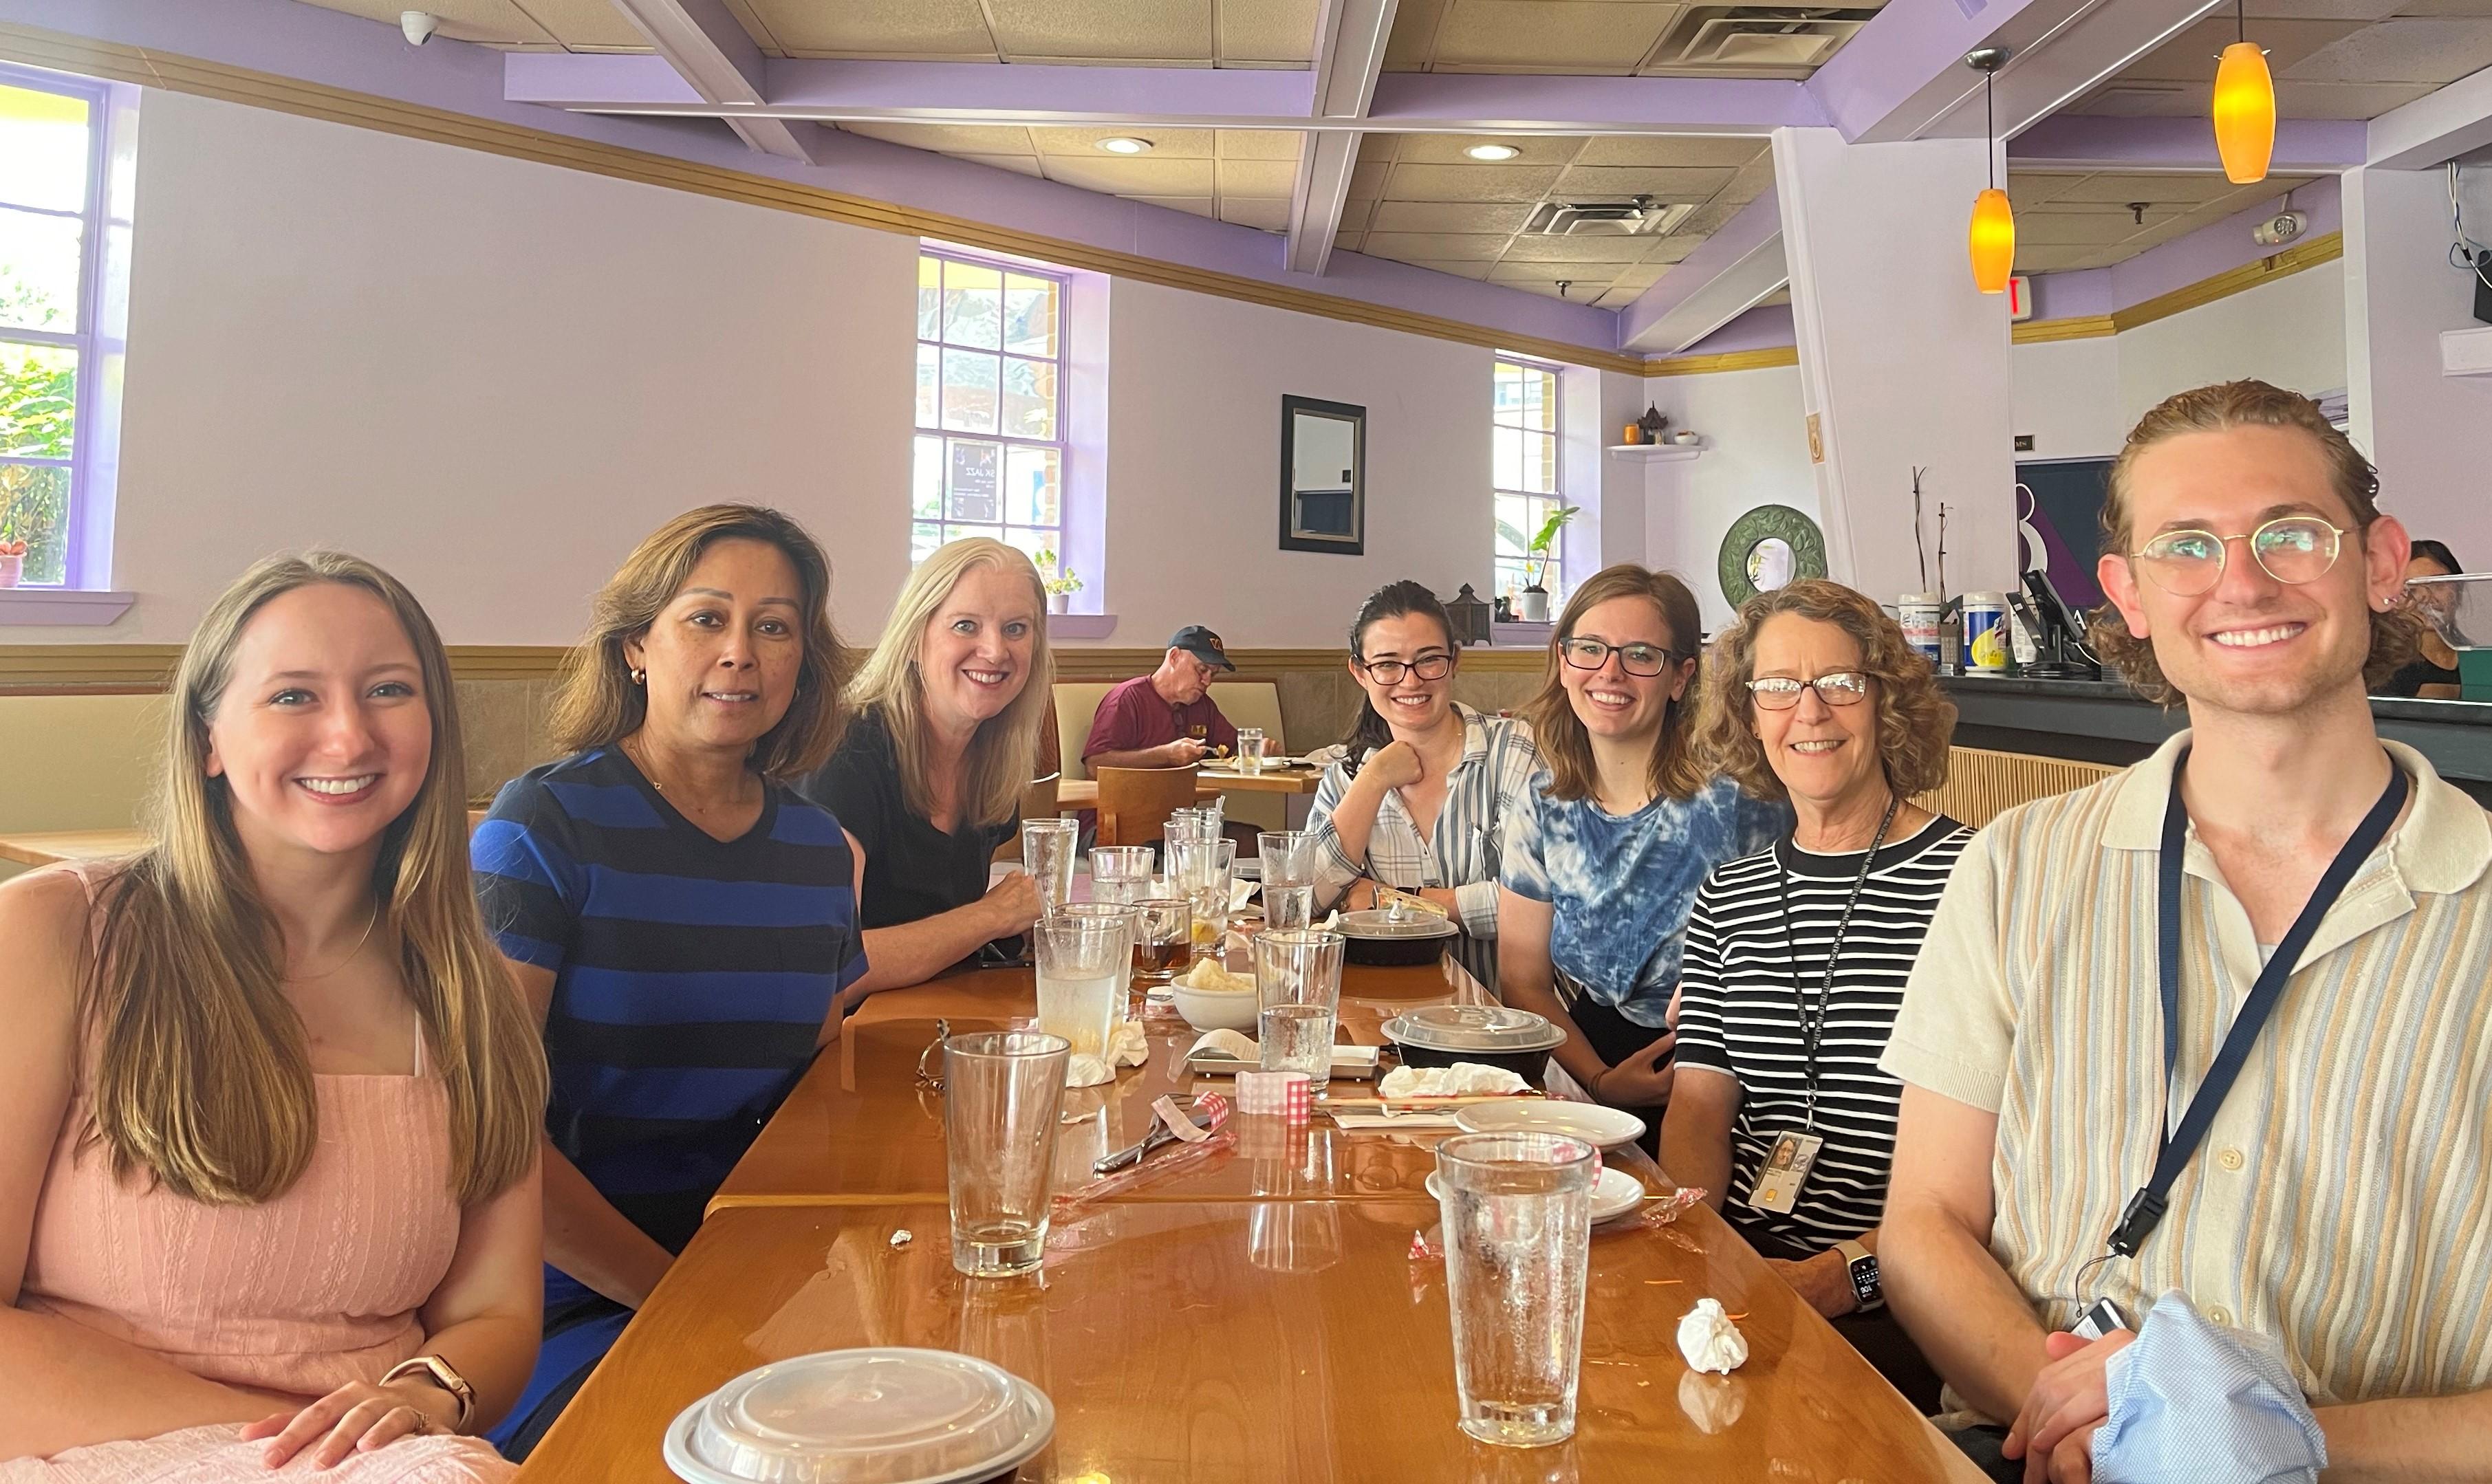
x=1613, y=1194
x=1596, y=1124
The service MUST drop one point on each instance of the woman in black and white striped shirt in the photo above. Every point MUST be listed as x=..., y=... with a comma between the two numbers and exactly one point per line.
x=1796, y=955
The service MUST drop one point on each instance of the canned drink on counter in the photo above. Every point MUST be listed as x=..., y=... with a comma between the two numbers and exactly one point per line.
x=1985, y=633
x=1918, y=614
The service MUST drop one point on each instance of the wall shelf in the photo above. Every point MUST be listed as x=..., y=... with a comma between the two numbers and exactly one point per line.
x=2466, y=352
x=1656, y=452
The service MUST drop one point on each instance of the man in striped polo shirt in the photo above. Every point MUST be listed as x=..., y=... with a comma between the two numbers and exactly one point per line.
x=2054, y=1150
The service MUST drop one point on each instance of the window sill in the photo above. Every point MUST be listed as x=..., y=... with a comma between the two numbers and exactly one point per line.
x=1090, y=626
x=60, y=606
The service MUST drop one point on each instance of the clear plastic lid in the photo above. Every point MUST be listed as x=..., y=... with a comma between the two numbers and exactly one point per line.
x=862, y=1416
x=1377, y=922
x=1473, y=1028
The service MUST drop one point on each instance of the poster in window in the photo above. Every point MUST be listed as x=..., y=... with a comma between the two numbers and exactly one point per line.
x=976, y=468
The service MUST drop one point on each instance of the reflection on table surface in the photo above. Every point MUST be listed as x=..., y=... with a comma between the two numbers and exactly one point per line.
x=1254, y=1341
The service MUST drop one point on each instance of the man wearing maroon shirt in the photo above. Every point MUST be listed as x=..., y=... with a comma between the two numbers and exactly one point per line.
x=1164, y=719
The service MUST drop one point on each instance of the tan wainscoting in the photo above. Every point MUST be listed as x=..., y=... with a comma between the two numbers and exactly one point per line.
x=1982, y=785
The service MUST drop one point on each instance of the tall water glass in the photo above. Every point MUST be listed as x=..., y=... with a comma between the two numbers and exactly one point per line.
x=1120, y=872
x=1518, y=1220
x=1131, y=917
x=1203, y=870
x=1163, y=939
x=1288, y=861
x=1085, y=961
x=1250, y=748
x=1046, y=850
x=1002, y=1094
x=1297, y=999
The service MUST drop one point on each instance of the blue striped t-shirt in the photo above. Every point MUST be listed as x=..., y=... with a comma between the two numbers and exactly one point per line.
x=692, y=975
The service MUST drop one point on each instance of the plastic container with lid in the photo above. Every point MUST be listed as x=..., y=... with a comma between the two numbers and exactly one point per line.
x=1378, y=936
x=862, y=1416
x=1492, y=1035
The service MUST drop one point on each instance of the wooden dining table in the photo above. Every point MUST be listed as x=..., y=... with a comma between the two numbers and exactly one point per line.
x=45, y=847
x=1271, y=1310
x=1208, y=784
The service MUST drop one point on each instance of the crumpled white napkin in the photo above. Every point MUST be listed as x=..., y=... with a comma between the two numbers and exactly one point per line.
x=1226, y=1043
x=1464, y=1079
x=1127, y=1046
x=2193, y=1400
x=1709, y=1341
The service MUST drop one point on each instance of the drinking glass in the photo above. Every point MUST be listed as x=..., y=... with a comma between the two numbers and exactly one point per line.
x=1085, y=957
x=1250, y=748
x=1126, y=913
x=1289, y=862
x=1297, y=996
x=1120, y=872
x=1188, y=824
x=1518, y=1222
x=1003, y=1092
x=1204, y=869
x=1163, y=938
x=1047, y=851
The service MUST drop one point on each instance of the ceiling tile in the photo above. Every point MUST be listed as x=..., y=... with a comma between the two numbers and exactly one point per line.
x=1642, y=276
x=1474, y=271
x=580, y=22
x=1448, y=148
x=2161, y=189
x=1448, y=246
x=1469, y=181
x=1104, y=30
x=952, y=138
x=2295, y=99
x=493, y=22
x=1018, y=165
x=875, y=28
x=1619, y=296
x=1266, y=31
x=1140, y=176
x=1708, y=218
x=1749, y=182
x=1166, y=143
x=1694, y=185
x=1680, y=150
x=1672, y=248
x=1256, y=212
x=1346, y=242
x=1366, y=179
x=1578, y=250
x=2437, y=50
x=2082, y=228
x=1262, y=178
x=1195, y=205
x=1355, y=215
x=1568, y=36
x=2031, y=187
x=1580, y=288
x=1258, y=144
x=2445, y=8
x=1451, y=217
x=2190, y=56
x=1413, y=38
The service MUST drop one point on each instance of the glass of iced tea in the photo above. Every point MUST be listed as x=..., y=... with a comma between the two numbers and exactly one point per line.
x=1162, y=939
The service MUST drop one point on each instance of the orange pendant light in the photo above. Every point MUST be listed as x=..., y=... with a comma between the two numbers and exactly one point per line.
x=1990, y=240
x=2244, y=107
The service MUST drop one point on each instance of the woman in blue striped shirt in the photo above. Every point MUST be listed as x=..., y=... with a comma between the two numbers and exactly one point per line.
x=1420, y=802
x=681, y=919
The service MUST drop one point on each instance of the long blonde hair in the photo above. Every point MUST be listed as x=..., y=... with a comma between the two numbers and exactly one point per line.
x=1004, y=752
x=596, y=705
x=1675, y=772
x=203, y=1078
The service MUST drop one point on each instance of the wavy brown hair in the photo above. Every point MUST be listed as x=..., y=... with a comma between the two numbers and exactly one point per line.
x=203, y=1078
x=595, y=703
x=1566, y=748
x=1916, y=722
x=2395, y=634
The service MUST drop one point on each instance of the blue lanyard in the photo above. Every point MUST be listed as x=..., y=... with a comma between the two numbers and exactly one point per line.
x=2145, y=1208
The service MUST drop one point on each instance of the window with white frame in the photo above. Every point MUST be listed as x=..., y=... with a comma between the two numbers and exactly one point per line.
x=53, y=197
x=990, y=430
x=1524, y=443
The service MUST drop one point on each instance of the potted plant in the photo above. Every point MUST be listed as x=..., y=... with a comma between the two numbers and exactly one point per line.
x=1060, y=582
x=1534, y=598
x=12, y=562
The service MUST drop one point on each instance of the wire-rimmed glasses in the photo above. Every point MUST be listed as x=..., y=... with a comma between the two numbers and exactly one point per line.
x=2293, y=549
x=1835, y=687
x=1643, y=660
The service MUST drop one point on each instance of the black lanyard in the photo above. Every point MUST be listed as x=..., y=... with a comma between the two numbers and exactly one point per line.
x=1811, y=1029
x=2145, y=1208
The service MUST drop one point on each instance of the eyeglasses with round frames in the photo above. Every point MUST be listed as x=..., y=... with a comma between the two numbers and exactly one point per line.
x=1428, y=667
x=2293, y=549
x=1835, y=687
x=1643, y=660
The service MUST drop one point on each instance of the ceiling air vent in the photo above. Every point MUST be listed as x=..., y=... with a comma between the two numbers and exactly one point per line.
x=1638, y=217
x=1757, y=36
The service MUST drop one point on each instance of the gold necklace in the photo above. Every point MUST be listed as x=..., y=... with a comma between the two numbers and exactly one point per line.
x=369, y=923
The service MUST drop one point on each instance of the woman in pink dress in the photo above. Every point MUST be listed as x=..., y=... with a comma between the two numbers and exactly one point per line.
x=268, y=1104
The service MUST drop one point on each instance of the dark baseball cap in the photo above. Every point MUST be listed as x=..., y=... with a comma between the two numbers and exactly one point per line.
x=1201, y=643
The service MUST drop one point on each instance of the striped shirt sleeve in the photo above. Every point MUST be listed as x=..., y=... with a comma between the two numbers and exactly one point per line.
x=1335, y=871
x=529, y=884
x=1700, y=1041
x=1957, y=1026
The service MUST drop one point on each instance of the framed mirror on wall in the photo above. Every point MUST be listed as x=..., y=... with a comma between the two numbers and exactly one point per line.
x=1769, y=547
x=1324, y=476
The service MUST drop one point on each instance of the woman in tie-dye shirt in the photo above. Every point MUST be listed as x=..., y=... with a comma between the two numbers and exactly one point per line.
x=1615, y=834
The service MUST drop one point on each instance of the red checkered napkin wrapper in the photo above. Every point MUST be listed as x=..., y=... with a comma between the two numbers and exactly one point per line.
x=1183, y=1126
x=1291, y=1095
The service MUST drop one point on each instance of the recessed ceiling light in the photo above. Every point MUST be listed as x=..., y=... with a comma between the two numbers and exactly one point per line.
x=1492, y=152
x=1122, y=145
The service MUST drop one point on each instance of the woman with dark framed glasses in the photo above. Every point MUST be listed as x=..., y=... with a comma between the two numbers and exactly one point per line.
x=1797, y=955
x=1420, y=801
x=1603, y=860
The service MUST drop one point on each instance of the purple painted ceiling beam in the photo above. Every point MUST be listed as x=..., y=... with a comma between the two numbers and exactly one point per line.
x=1171, y=96
x=1728, y=273
x=2435, y=127
x=2083, y=142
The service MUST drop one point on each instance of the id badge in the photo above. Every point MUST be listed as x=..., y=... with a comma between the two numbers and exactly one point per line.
x=1787, y=1166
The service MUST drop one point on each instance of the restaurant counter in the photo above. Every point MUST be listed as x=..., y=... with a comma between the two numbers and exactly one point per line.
x=2099, y=720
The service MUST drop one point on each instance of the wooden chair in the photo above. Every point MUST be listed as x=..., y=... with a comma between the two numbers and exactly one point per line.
x=1133, y=803
x=1037, y=802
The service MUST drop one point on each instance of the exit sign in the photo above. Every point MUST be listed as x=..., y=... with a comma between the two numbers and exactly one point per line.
x=2020, y=298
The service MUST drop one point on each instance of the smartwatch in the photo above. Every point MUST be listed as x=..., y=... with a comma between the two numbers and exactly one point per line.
x=440, y=1373
x=1864, y=1264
